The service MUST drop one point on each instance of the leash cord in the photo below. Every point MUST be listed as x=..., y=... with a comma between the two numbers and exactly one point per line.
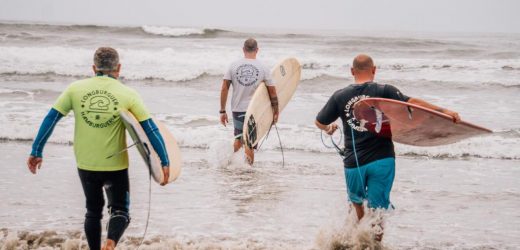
x=281, y=146
x=149, y=206
x=342, y=152
x=335, y=146
x=355, y=156
x=279, y=140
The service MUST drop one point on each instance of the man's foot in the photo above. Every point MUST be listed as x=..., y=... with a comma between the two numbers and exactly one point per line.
x=109, y=245
x=249, y=160
x=378, y=232
x=250, y=155
x=378, y=237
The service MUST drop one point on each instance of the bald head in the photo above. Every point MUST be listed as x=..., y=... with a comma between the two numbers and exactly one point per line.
x=362, y=63
x=363, y=68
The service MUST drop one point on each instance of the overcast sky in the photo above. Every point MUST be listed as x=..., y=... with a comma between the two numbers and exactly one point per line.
x=373, y=15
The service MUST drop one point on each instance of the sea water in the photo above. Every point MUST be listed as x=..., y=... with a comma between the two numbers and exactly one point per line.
x=460, y=196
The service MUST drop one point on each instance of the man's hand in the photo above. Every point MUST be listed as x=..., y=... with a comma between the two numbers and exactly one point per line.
x=275, y=116
x=166, y=173
x=223, y=119
x=331, y=128
x=34, y=163
x=454, y=115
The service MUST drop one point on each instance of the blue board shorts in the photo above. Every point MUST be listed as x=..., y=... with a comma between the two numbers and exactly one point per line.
x=238, y=124
x=375, y=184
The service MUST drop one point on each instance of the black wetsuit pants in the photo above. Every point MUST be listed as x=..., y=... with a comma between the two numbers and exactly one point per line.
x=116, y=185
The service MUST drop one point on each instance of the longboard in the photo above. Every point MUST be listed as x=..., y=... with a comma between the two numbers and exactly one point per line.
x=411, y=124
x=145, y=148
x=259, y=116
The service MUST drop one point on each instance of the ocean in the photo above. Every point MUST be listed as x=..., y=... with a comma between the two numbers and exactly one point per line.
x=460, y=196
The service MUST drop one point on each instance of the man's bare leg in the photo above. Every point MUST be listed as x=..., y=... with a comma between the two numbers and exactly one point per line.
x=236, y=145
x=250, y=155
x=359, y=210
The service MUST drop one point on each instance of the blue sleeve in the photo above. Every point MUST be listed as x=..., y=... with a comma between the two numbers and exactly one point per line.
x=45, y=132
x=156, y=139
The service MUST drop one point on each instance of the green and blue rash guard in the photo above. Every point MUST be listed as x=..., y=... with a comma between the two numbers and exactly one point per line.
x=52, y=118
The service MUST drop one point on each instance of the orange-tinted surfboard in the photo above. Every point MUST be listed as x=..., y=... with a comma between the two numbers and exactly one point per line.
x=412, y=124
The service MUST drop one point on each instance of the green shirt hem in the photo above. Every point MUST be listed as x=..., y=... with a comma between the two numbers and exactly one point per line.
x=102, y=169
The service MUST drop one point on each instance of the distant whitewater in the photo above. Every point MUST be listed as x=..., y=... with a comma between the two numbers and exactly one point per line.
x=64, y=51
x=178, y=32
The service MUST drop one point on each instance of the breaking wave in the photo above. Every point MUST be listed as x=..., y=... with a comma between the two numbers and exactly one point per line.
x=176, y=64
x=179, y=32
x=196, y=131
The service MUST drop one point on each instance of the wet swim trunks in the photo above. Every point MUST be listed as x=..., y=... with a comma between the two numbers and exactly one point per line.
x=373, y=182
x=238, y=124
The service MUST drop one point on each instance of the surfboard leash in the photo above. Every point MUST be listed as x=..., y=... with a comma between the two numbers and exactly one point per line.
x=149, y=208
x=335, y=146
x=281, y=146
x=342, y=152
x=355, y=156
x=279, y=140
x=264, y=139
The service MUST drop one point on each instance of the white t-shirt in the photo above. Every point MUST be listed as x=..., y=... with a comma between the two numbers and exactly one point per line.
x=245, y=75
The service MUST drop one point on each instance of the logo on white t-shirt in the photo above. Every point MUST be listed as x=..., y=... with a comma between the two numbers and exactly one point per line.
x=247, y=74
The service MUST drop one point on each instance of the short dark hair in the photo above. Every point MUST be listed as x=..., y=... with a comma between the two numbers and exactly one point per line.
x=250, y=45
x=106, y=59
x=362, y=62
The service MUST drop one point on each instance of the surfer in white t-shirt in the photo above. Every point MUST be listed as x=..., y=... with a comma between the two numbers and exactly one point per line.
x=245, y=75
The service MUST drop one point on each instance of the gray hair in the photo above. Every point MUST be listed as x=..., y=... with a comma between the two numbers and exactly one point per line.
x=250, y=45
x=106, y=59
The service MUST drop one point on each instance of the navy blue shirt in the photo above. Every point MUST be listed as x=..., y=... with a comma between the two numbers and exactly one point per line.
x=369, y=147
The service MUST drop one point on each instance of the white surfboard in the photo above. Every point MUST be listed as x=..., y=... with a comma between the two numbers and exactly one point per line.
x=146, y=150
x=259, y=116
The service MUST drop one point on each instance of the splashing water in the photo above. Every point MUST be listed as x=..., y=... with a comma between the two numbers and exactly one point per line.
x=353, y=233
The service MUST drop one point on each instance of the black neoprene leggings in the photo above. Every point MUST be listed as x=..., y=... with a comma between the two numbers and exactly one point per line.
x=116, y=185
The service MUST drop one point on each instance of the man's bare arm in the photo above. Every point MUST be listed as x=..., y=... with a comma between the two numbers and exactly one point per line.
x=329, y=129
x=426, y=104
x=274, y=102
x=223, y=100
x=224, y=93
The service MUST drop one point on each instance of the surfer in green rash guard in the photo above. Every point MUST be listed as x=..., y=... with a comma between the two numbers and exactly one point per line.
x=369, y=160
x=99, y=132
x=245, y=75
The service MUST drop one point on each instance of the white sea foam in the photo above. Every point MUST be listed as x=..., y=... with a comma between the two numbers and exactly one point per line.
x=204, y=132
x=177, y=64
x=354, y=233
x=171, y=31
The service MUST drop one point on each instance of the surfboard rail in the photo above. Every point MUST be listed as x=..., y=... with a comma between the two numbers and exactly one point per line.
x=145, y=148
x=259, y=116
x=412, y=124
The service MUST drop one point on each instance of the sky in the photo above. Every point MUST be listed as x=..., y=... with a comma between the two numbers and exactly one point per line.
x=497, y=16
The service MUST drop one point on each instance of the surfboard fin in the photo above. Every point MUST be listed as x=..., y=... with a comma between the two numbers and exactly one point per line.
x=125, y=149
x=409, y=109
x=379, y=120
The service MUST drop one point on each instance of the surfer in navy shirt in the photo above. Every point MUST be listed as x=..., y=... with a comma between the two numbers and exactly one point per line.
x=369, y=160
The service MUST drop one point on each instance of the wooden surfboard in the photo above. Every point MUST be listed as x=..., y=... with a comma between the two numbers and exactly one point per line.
x=259, y=115
x=411, y=124
x=146, y=150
